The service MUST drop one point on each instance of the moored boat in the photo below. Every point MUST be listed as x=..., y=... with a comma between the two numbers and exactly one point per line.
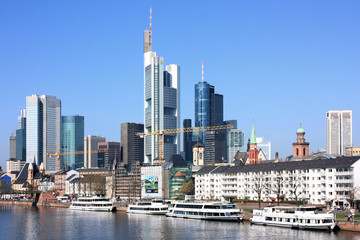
x=205, y=211
x=94, y=203
x=294, y=217
x=155, y=207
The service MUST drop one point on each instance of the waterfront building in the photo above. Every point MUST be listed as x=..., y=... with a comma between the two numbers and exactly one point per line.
x=264, y=146
x=156, y=181
x=132, y=146
x=72, y=140
x=352, y=151
x=108, y=153
x=253, y=151
x=300, y=147
x=234, y=143
x=43, y=116
x=198, y=154
x=127, y=185
x=60, y=182
x=90, y=148
x=161, y=103
x=12, y=146
x=29, y=177
x=338, y=131
x=14, y=165
x=330, y=181
x=180, y=174
x=21, y=136
x=84, y=185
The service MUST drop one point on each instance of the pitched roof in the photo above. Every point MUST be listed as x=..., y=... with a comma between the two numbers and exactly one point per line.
x=23, y=175
x=205, y=169
x=178, y=161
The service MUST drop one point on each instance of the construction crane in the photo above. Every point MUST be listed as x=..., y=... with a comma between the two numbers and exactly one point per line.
x=161, y=134
x=58, y=154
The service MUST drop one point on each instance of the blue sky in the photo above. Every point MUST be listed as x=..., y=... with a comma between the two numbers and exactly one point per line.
x=278, y=63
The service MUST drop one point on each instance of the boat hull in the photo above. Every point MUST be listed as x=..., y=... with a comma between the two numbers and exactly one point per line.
x=94, y=209
x=328, y=226
x=213, y=218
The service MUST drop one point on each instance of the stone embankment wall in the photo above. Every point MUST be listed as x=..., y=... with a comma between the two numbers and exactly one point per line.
x=349, y=226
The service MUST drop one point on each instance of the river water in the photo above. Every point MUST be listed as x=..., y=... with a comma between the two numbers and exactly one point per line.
x=20, y=222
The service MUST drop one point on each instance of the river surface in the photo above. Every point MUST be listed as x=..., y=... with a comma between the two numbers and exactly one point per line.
x=20, y=222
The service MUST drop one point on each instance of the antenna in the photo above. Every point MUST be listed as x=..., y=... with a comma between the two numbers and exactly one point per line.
x=150, y=19
x=202, y=71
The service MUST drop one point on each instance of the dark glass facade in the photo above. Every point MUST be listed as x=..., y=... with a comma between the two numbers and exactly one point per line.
x=188, y=142
x=132, y=146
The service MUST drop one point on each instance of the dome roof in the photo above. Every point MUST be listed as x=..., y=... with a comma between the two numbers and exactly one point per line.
x=300, y=130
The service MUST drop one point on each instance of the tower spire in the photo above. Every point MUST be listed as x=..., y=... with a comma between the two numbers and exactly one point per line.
x=150, y=18
x=202, y=71
x=253, y=136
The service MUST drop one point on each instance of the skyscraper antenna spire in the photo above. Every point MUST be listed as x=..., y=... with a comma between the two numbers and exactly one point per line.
x=150, y=18
x=202, y=71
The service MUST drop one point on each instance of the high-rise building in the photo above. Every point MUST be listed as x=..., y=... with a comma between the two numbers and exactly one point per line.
x=12, y=146
x=21, y=136
x=161, y=102
x=209, y=112
x=234, y=143
x=109, y=152
x=43, y=116
x=91, y=145
x=72, y=140
x=188, y=141
x=264, y=146
x=215, y=147
x=132, y=146
x=338, y=131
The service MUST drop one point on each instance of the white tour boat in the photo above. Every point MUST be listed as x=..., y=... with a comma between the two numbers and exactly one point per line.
x=155, y=207
x=294, y=217
x=205, y=211
x=94, y=203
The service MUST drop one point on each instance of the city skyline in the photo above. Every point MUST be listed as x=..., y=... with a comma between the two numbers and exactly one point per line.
x=279, y=57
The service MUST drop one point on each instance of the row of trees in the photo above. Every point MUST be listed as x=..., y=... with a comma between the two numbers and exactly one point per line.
x=294, y=183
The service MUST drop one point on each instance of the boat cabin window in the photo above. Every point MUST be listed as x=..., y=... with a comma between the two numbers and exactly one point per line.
x=211, y=207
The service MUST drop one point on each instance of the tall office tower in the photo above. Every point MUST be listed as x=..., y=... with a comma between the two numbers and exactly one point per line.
x=110, y=153
x=90, y=148
x=12, y=146
x=21, y=136
x=72, y=140
x=234, y=143
x=338, y=131
x=188, y=141
x=43, y=116
x=264, y=146
x=132, y=146
x=208, y=106
x=215, y=147
x=161, y=102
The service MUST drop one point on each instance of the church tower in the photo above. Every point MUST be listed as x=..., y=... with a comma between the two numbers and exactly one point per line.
x=301, y=148
x=253, y=151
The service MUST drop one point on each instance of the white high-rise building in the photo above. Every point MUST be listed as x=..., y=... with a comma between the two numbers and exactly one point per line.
x=264, y=146
x=43, y=117
x=161, y=102
x=91, y=145
x=338, y=131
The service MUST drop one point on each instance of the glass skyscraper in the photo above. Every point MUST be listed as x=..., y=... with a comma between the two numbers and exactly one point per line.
x=43, y=116
x=338, y=131
x=21, y=136
x=161, y=103
x=72, y=140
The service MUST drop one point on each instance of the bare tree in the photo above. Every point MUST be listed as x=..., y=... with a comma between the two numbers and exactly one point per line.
x=278, y=186
x=295, y=183
x=188, y=188
x=259, y=185
x=353, y=192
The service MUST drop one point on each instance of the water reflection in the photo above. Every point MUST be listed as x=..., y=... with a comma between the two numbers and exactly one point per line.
x=51, y=223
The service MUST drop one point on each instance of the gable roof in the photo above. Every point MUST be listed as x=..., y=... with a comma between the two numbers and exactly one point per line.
x=23, y=175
